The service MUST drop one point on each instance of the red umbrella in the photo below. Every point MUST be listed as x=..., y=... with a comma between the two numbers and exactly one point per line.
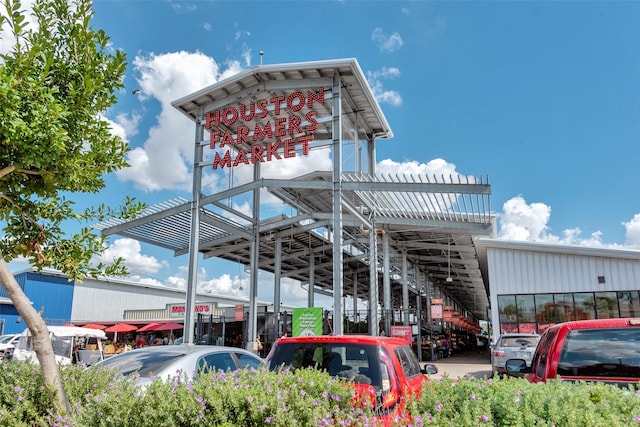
x=167, y=326
x=94, y=326
x=120, y=327
x=148, y=327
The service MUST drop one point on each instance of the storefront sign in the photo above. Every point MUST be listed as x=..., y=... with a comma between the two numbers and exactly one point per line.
x=402, y=332
x=306, y=321
x=178, y=310
x=239, y=312
x=436, y=311
x=268, y=140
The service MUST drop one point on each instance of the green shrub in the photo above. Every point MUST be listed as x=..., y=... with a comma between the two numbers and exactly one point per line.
x=243, y=398
x=304, y=398
x=515, y=402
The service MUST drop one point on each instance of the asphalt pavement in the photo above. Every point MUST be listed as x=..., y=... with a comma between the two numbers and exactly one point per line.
x=474, y=363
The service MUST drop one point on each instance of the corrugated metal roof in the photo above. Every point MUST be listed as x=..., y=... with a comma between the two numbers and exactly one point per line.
x=280, y=80
x=440, y=239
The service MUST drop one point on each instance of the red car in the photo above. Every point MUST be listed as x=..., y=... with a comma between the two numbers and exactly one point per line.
x=603, y=350
x=384, y=368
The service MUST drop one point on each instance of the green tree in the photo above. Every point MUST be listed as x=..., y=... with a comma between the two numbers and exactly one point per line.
x=55, y=83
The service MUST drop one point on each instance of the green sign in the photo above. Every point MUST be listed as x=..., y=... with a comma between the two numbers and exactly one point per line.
x=307, y=321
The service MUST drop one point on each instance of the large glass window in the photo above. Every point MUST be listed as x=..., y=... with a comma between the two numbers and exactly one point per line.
x=585, y=306
x=507, y=308
x=535, y=313
x=629, y=304
x=526, y=308
x=607, y=305
x=545, y=310
x=564, y=309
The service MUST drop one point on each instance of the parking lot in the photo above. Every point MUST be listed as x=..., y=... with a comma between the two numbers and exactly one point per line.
x=471, y=363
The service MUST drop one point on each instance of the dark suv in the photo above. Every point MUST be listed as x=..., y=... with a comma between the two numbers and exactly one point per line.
x=604, y=350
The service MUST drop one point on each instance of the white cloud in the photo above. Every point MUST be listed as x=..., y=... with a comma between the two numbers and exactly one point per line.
x=165, y=159
x=7, y=41
x=529, y=222
x=130, y=251
x=129, y=124
x=435, y=168
x=225, y=285
x=385, y=42
x=375, y=78
x=632, y=236
x=521, y=221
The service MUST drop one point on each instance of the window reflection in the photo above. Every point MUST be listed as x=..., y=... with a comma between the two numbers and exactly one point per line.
x=535, y=313
x=526, y=308
x=585, y=306
x=606, y=305
x=629, y=304
x=564, y=307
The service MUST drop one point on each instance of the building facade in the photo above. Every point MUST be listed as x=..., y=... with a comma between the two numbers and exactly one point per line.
x=534, y=286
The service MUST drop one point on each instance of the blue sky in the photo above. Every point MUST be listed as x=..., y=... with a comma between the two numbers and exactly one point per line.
x=541, y=97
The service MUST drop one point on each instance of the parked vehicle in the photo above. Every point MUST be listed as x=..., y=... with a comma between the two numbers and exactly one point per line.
x=512, y=345
x=167, y=361
x=604, y=350
x=71, y=344
x=383, y=369
x=7, y=345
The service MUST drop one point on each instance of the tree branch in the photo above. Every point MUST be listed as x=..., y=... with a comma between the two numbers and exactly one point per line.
x=7, y=170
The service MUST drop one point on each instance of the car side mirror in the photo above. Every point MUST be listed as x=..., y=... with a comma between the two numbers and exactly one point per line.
x=429, y=369
x=516, y=367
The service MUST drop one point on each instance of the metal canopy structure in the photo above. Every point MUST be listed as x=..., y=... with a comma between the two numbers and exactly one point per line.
x=346, y=230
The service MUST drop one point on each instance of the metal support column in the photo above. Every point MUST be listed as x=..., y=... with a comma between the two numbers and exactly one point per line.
x=337, y=208
x=419, y=310
x=386, y=285
x=194, y=237
x=277, y=274
x=312, y=280
x=374, y=303
x=405, y=288
x=355, y=295
x=252, y=326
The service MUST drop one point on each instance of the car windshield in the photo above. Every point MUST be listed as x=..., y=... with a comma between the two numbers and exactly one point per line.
x=519, y=342
x=144, y=363
x=6, y=339
x=606, y=352
x=358, y=362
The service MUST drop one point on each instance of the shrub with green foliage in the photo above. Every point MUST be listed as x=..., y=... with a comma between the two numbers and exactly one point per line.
x=515, y=402
x=243, y=398
x=304, y=398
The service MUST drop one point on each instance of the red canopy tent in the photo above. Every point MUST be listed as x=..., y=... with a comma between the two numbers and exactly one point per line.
x=148, y=327
x=120, y=327
x=166, y=326
x=94, y=326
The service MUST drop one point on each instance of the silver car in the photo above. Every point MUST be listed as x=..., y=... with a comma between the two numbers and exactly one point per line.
x=7, y=345
x=167, y=361
x=512, y=346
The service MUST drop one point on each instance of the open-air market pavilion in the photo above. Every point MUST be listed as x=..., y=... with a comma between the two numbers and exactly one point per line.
x=395, y=240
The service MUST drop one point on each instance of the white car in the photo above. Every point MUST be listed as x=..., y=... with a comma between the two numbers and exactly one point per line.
x=513, y=346
x=167, y=361
x=7, y=345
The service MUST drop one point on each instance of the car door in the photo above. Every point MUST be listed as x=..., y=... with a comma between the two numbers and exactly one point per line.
x=413, y=376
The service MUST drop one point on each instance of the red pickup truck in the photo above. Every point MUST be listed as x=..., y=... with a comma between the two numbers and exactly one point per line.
x=383, y=369
x=603, y=350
